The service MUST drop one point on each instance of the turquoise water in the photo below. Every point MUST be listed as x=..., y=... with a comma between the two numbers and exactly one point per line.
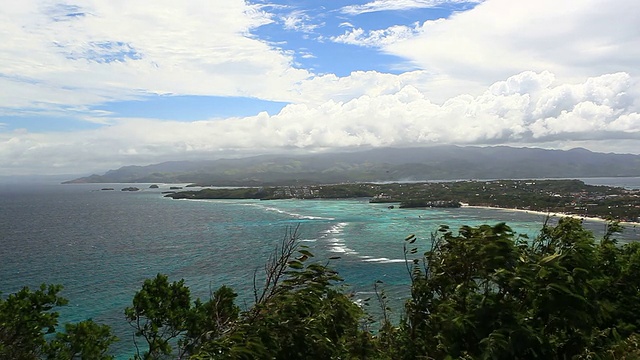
x=101, y=245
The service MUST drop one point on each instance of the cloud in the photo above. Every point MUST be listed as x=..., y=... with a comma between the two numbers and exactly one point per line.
x=376, y=38
x=499, y=38
x=527, y=108
x=331, y=87
x=300, y=21
x=60, y=53
x=575, y=82
x=306, y=55
x=389, y=5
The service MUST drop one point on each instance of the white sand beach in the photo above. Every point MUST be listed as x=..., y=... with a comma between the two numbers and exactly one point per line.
x=552, y=214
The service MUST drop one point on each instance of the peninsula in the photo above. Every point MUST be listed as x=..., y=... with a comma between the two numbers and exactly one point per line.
x=572, y=197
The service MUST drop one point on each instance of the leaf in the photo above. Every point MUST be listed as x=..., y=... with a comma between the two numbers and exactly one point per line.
x=550, y=258
x=412, y=236
x=295, y=264
x=305, y=252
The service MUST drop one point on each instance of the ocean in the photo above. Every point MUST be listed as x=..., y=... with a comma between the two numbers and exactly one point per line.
x=101, y=245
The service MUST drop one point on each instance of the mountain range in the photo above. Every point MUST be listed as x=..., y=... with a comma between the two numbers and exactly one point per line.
x=381, y=165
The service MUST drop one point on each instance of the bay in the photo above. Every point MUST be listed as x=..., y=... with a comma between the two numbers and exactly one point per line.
x=101, y=245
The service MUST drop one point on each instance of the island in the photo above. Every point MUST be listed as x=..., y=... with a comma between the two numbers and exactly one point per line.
x=572, y=197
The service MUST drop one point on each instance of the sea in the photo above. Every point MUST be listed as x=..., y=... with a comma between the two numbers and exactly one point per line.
x=102, y=244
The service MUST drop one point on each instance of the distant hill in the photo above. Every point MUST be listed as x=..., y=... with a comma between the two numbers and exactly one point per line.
x=382, y=164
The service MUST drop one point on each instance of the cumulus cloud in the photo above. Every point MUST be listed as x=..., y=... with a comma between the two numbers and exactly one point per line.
x=523, y=109
x=322, y=88
x=499, y=38
x=387, y=5
x=59, y=53
x=575, y=82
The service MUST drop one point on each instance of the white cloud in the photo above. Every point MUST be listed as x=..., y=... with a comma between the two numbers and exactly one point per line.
x=58, y=59
x=56, y=53
x=499, y=38
x=528, y=108
x=388, y=5
x=300, y=21
x=435, y=87
x=307, y=55
x=376, y=38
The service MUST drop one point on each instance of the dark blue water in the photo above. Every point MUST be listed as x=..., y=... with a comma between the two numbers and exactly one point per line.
x=101, y=245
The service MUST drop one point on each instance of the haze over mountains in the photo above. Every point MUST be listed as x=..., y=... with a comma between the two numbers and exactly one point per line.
x=382, y=164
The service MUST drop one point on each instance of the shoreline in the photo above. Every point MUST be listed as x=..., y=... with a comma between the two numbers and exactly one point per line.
x=551, y=214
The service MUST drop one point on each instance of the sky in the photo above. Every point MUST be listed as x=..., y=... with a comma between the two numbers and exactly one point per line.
x=92, y=85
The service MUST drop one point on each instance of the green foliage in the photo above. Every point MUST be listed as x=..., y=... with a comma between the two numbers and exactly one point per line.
x=159, y=314
x=564, y=196
x=27, y=325
x=481, y=292
x=25, y=319
x=299, y=314
x=487, y=293
x=85, y=340
x=210, y=320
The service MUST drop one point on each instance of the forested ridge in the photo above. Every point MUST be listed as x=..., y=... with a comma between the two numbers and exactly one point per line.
x=444, y=162
x=480, y=292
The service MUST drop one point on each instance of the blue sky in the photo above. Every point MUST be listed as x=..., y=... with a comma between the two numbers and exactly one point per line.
x=94, y=85
x=303, y=28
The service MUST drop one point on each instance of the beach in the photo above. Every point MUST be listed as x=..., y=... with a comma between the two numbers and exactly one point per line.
x=551, y=214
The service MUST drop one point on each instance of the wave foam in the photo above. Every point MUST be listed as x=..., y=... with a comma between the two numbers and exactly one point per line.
x=384, y=260
x=342, y=249
x=296, y=215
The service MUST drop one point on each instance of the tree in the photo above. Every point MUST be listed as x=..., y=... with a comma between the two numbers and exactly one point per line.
x=85, y=340
x=27, y=324
x=481, y=292
x=485, y=292
x=300, y=313
x=210, y=320
x=25, y=319
x=159, y=314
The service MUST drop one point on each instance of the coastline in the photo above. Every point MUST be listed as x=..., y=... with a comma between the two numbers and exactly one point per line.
x=551, y=214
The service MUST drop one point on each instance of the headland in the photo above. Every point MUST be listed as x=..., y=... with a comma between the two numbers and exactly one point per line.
x=561, y=197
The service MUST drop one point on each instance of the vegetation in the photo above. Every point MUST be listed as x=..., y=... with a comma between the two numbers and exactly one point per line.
x=565, y=196
x=233, y=193
x=422, y=203
x=479, y=293
x=380, y=165
x=28, y=329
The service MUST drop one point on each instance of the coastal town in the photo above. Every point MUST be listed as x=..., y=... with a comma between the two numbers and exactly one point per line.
x=572, y=197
